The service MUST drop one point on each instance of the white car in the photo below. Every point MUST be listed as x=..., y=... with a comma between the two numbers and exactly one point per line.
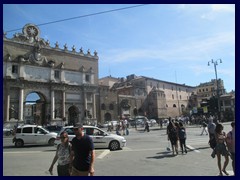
x=33, y=134
x=152, y=122
x=101, y=139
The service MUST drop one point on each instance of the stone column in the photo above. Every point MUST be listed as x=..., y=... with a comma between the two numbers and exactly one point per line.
x=52, y=105
x=94, y=106
x=20, y=115
x=85, y=100
x=21, y=71
x=63, y=104
x=7, y=104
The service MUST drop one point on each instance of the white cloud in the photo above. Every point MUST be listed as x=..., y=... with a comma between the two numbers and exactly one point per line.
x=223, y=8
x=187, y=49
x=217, y=9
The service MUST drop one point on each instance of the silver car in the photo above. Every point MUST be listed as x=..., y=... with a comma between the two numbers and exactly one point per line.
x=101, y=139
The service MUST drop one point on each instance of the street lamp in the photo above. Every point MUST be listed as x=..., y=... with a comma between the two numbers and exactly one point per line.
x=215, y=63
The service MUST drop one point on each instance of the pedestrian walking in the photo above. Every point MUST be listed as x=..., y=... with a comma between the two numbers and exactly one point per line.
x=146, y=127
x=204, y=126
x=123, y=127
x=221, y=149
x=118, y=129
x=172, y=136
x=161, y=123
x=63, y=156
x=182, y=137
x=126, y=126
x=211, y=132
x=83, y=153
x=231, y=144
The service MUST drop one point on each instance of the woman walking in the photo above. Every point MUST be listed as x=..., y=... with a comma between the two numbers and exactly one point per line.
x=63, y=156
x=221, y=149
x=182, y=137
x=172, y=136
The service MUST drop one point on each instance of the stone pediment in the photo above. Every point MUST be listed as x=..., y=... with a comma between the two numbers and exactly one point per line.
x=30, y=34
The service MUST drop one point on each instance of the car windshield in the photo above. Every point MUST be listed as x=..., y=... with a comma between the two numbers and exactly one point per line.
x=45, y=129
x=68, y=130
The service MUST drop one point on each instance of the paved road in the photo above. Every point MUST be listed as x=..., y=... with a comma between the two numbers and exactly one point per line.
x=145, y=155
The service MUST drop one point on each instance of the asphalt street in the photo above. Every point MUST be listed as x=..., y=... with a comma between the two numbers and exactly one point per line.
x=144, y=155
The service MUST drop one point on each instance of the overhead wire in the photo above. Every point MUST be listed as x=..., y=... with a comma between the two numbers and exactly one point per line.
x=82, y=16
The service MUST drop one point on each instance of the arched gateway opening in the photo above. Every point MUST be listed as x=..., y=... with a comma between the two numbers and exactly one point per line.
x=35, y=109
x=73, y=115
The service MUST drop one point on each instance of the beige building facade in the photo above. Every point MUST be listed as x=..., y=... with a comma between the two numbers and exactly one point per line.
x=152, y=98
x=65, y=80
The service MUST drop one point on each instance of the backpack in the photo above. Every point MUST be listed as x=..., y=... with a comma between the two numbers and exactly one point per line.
x=182, y=133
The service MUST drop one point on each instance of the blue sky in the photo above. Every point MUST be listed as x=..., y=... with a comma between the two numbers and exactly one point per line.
x=156, y=40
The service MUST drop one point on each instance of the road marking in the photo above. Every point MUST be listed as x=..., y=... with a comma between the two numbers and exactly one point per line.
x=134, y=150
x=193, y=149
x=103, y=154
x=18, y=152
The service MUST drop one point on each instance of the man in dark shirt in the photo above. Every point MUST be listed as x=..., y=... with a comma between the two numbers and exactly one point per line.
x=83, y=153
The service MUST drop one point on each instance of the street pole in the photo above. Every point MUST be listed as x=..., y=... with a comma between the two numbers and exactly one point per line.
x=215, y=63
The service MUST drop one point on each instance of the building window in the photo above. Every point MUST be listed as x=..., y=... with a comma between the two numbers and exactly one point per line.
x=174, y=105
x=151, y=84
x=103, y=107
x=163, y=86
x=179, y=89
x=56, y=74
x=172, y=96
x=203, y=90
x=206, y=89
x=172, y=88
x=111, y=106
x=87, y=78
x=199, y=90
x=180, y=97
x=15, y=69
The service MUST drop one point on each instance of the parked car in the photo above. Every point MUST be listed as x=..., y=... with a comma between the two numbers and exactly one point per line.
x=165, y=122
x=152, y=122
x=7, y=131
x=53, y=128
x=33, y=134
x=101, y=139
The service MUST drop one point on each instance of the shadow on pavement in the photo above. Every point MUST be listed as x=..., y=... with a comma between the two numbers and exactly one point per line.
x=163, y=155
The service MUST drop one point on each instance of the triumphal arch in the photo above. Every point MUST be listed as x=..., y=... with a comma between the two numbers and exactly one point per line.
x=65, y=80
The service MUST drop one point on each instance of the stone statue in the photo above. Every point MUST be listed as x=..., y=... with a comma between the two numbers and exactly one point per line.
x=37, y=56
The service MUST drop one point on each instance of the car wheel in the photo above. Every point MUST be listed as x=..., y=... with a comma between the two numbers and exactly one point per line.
x=114, y=145
x=19, y=143
x=51, y=142
x=8, y=133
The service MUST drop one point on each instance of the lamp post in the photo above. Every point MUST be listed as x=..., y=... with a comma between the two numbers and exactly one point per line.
x=215, y=63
